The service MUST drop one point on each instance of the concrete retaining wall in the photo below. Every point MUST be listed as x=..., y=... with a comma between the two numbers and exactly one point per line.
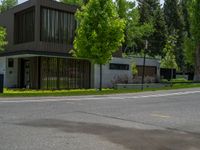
x=138, y=86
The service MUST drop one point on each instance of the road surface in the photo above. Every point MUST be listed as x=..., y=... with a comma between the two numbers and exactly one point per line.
x=165, y=120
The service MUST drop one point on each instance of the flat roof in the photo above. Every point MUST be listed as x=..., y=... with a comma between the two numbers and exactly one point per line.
x=32, y=52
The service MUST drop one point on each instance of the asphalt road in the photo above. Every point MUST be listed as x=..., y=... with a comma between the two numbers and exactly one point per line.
x=166, y=120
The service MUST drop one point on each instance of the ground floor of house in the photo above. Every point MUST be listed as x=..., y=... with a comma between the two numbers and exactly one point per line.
x=60, y=72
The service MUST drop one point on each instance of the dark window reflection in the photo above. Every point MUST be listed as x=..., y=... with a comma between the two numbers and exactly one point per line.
x=24, y=26
x=114, y=66
x=62, y=73
x=57, y=26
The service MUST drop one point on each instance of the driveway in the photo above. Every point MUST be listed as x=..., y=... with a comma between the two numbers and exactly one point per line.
x=164, y=120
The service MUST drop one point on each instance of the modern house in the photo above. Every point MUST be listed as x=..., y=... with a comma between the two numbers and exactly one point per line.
x=40, y=35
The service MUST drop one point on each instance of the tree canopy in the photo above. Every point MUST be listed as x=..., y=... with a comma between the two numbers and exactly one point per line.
x=7, y=4
x=150, y=12
x=134, y=31
x=169, y=60
x=100, y=32
x=194, y=7
x=175, y=24
x=2, y=38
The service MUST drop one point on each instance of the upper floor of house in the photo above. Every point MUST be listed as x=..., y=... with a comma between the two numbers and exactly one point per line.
x=40, y=25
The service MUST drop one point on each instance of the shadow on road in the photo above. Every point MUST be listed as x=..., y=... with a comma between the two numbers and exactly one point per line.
x=130, y=138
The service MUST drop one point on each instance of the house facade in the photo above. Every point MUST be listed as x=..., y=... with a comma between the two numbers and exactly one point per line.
x=40, y=35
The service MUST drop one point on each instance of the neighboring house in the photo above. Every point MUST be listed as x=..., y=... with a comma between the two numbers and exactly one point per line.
x=40, y=36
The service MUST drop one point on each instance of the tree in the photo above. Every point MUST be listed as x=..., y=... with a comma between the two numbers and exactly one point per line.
x=194, y=7
x=172, y=14
x=188, y=45
x=7, y=4
x=147, y=8
x=169, y=60
x=134, y=69
x=100, y=32
x=175, y=23
x=185, y=14
x=2, y=38
x=151, y=12
x=122, y=8
x=134, y=31
x=189, y=51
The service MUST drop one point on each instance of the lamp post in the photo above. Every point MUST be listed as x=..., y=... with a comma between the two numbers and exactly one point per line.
x=144, y=63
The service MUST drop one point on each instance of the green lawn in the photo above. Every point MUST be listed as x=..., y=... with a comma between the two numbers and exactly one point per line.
x=29, y=93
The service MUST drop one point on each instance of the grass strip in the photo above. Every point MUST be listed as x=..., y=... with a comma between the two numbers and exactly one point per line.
x=38, y=93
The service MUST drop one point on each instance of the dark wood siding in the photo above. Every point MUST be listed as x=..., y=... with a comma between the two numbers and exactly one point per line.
x=62, y=44
x=149, y=71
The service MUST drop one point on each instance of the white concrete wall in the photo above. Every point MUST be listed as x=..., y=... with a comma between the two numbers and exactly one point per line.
x=3, y=67
x=11, y=76
x=110, y=76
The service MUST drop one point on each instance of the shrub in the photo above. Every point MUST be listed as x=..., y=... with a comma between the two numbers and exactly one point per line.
x=134, y=69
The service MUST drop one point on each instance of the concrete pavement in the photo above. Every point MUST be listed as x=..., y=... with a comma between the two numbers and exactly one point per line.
x=164, y=120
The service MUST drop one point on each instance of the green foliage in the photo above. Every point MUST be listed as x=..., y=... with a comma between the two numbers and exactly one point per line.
x=189, y=50
x=39, y=93
x=134, y=69
x=136, y=32
x=74, y=2
x=169, y=60
x=2, y=38
x=147, y=8
x=122, y=7
x=180, y=80
x=100, y=32
x=188, y=45
x=195, y=19
x=176, y=80
x=150, y=12
x=173, y=17
x=7, y=4
x=175, y=23
x=185, y=13
x=194, y=7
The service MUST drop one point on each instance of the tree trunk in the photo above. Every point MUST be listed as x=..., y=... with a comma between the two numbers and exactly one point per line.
x=143, y=71
x=100, y=83
x=172, y=77
x=172, y=74
x=197, y=64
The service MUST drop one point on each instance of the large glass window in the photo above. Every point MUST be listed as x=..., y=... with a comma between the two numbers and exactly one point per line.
x=114, y=66
x=62, y=73
x=57, y=26
x=24, y=26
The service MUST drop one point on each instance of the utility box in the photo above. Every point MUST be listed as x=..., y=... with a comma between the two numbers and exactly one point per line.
x=1, y=82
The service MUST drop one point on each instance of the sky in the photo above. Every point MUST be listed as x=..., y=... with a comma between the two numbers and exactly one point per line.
x=21, y=1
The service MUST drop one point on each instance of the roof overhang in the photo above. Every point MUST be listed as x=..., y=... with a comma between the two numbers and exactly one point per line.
x=32, y=53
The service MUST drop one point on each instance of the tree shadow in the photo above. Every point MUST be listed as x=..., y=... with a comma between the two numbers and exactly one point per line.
x=130, y=138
